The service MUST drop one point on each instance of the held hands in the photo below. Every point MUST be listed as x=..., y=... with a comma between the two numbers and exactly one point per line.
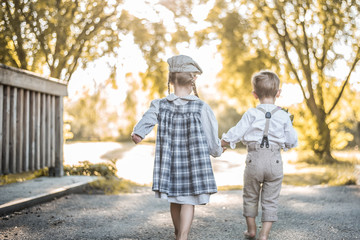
x=136, y=138
x=224, y=145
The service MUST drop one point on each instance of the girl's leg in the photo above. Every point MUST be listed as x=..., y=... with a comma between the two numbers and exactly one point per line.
x=251, y=227
x=175, y=216
x=265, y=230
x=186, y=218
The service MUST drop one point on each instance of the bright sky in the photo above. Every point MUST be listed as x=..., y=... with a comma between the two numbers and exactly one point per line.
x=131, y=60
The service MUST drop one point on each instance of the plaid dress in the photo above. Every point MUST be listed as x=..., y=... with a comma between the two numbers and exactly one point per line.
x=182, y=163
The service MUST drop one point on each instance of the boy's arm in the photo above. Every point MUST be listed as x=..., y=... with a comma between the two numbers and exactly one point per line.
x=236, y=133
x=146, y=123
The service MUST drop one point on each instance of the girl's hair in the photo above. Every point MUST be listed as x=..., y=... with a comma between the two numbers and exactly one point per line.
x=182, y=78
x=265, y=84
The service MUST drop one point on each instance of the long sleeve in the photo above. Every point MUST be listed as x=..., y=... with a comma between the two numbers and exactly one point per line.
x=210, y=126
x=148, y=121
x=236, y=133
x=291, y=139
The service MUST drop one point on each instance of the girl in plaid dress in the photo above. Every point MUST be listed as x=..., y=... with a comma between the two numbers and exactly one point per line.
x=186, y=137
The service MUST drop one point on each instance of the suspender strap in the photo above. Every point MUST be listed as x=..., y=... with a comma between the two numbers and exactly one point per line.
x=268, y=115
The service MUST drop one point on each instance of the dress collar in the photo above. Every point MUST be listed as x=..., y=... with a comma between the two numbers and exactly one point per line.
x=173, y=97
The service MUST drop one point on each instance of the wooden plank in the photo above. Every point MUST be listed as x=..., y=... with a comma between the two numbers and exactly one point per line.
x=26, y=130
x=31, y=81
x=42, y=131
x=6, y=132
x=20, y=130
x=53, y=131
x=59, y=140
x=37, y=130
x=48, y=131
x=32, y=131
x=12, y=139
x=1, y=124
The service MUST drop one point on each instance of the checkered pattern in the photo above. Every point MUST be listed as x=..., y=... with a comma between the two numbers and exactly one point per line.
x=182, y=162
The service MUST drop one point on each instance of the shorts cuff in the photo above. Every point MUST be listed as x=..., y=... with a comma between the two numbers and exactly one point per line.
x=250, y=211
x=269, y=217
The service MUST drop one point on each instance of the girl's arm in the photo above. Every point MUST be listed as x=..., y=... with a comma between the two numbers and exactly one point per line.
x=210, y=126
x=147, y=122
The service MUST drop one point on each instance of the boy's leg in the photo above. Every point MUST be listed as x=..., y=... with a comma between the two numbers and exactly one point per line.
x=186, y=218
x=175, y=216
x=269, y=200
x=251, y=194
x=251, y=227
x=265, y=230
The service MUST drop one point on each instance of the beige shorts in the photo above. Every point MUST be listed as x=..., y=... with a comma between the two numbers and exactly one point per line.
x=263, y=177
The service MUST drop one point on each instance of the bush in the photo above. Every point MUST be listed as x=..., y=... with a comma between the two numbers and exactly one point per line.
x=86, y=168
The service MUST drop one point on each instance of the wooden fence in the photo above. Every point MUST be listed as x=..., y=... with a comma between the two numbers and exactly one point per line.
x=31, y=122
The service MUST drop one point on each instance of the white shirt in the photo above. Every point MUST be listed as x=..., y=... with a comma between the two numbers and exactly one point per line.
x=250, y=128
x=208, y=120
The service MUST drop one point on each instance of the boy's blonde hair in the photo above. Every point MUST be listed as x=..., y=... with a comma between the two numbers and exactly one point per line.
x=265, y=84
x=182, y=79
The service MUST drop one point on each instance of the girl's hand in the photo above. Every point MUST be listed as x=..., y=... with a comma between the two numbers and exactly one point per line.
x=224, y=149
x=136, y=138
x=224, y=143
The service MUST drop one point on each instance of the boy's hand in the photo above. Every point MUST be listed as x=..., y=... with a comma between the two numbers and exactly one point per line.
x=224, y=143
x=224, y=149
x=136, y=138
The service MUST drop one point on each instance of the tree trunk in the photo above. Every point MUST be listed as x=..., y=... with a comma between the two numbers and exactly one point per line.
x=322, y=146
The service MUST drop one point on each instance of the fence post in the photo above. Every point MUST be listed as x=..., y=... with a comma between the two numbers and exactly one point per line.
x=1, y=124
x=59, y=140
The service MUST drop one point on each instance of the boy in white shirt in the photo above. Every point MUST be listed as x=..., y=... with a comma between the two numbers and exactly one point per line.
x=265, y=130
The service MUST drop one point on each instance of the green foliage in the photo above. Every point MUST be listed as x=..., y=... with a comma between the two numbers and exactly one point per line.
x=300, y=40
x=57, y=34
x=89, y=117
x=107, y=183
x=88, y=169
x=332, y=175
x=130, y=108
x=309, y=172
x=226, y=115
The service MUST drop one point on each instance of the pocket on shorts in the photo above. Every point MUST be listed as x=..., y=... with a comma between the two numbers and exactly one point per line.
x=250, y=164
x=277, y=166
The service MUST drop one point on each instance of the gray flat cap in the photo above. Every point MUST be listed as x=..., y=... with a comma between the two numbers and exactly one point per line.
x=182, y=63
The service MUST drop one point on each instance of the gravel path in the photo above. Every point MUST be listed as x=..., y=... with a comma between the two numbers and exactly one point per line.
x=305, y=213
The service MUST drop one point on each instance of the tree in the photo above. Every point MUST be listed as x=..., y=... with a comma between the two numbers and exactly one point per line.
x=304, y=40
x=89, y=116
x=155, y=40
x=58, y=34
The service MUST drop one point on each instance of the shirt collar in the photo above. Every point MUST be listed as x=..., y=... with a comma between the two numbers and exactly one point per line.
x=173, y=97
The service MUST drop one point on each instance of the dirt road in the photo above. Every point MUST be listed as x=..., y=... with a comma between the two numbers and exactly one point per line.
x=305, y=213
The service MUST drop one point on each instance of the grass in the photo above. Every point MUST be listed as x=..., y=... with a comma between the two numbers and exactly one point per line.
x=21, y=177
x=112, y=185
x=340, y=173
x=230, y=187
x=322, y=175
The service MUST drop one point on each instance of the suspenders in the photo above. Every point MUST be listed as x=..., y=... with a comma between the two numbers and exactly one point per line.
x=265, y=140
